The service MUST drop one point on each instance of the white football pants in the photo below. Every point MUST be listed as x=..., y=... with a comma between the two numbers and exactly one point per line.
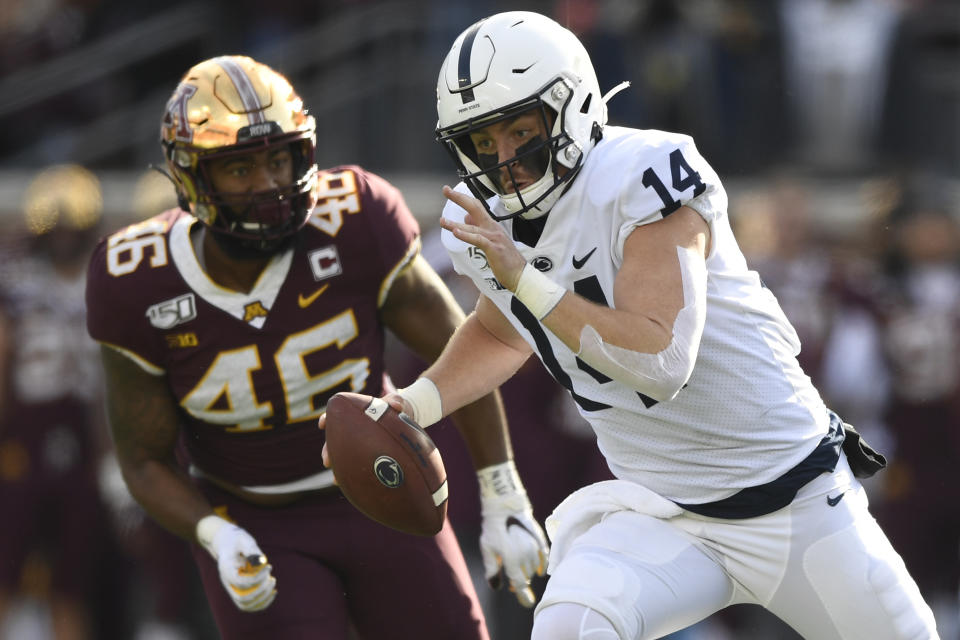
x=822, y=565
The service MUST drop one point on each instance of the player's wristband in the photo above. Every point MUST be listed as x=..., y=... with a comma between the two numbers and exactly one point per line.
x=500, y=480
x=206, y=531
x=424, y=397
x=537, y=292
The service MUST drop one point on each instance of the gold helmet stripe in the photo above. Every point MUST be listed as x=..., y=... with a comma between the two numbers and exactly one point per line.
x=248, y=95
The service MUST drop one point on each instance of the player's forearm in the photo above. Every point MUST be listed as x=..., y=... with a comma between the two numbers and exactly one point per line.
x=483, y=426
x=166, y=494
x=472, y=365
x=628, y=330
x=143, y=427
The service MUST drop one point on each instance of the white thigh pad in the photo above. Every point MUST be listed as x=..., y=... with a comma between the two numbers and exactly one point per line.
x=877, y=599
x=658, y=375
x=643, y=574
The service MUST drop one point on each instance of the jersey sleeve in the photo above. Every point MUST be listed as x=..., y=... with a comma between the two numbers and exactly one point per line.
x=118, y=280
x=671, y=173
x=395, y=230
x=457, y=249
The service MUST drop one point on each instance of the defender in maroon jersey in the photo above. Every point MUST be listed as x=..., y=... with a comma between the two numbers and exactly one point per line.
x=50, y=430
x=226, y=325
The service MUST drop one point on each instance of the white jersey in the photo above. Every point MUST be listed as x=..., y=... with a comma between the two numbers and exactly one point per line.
x=748, y=413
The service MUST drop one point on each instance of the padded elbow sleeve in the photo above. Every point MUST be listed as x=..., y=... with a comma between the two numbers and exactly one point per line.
x=658, y=375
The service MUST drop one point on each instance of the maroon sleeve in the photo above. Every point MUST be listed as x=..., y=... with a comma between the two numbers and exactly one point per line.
x=127, y=272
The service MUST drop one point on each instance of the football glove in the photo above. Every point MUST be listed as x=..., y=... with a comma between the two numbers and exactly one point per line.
x=510, y=538
x=244, y=571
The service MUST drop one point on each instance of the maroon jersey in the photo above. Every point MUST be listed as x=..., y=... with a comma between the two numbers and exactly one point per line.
x=252, y=372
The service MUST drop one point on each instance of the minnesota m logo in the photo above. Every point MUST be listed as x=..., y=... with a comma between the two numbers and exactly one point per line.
x=253, y=311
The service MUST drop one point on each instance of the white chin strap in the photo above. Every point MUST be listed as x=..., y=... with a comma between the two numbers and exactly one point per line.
x=658, y=375
x=511, y=201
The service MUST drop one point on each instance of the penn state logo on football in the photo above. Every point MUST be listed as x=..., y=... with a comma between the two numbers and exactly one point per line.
x=388, y=472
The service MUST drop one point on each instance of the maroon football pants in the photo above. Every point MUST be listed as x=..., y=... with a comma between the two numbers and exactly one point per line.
x=336, y=568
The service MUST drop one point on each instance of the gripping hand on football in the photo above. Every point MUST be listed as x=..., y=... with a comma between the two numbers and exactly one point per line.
x=243, y=568
x=511, y=541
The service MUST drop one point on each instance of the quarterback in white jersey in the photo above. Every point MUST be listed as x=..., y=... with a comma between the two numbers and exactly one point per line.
x=607, y=252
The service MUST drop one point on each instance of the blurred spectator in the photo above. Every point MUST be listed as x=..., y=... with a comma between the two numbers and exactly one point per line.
x=708, y=68
x=670, y=69
x=917, y=309
x=79, y=559
x=782, y=242
x=747, y=52
x=837, y=56
x=50, y=426
x=921, y=125
x=846, y=72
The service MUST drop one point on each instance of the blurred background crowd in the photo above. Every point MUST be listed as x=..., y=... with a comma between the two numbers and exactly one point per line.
x=835, y=125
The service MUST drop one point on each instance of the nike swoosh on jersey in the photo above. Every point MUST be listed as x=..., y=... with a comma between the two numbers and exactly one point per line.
x=578, y=263
x=306, y=302
x=833, y=501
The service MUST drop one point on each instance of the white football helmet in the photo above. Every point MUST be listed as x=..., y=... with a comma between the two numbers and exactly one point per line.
x=500, y=67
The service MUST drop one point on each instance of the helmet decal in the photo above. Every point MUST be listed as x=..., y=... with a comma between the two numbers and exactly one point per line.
x=175, y=116
x=248, y=95
x=463, y=67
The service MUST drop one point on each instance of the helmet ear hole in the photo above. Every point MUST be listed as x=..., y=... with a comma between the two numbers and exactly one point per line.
x=596, y=133
x=585, y=107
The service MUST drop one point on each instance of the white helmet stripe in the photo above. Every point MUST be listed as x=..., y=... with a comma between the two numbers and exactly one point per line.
x=251, y=103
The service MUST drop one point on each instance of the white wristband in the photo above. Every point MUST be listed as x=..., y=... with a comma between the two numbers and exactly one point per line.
x=537, y=292
x=424, y=397
x=207, y=530
x=500, y=480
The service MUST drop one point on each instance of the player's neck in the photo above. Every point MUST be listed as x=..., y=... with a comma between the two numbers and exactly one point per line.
x=237, y=275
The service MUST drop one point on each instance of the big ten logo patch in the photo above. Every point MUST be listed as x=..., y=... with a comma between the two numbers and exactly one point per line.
x=336, y=195
x=182, y=340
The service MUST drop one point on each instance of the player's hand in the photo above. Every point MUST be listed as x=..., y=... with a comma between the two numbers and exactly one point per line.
x=511, y=540
x=393, y=399
x=324, y=454
x=244, y=571
x=485, y=233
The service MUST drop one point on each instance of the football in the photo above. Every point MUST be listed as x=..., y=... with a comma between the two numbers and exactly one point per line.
x=386, y=464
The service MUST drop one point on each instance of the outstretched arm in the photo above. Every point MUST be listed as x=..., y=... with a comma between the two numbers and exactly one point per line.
x=421, y=311
x=649, y=338
x=472, y=357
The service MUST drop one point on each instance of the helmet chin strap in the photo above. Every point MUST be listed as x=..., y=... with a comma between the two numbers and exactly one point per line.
x=596, y=134
x=533, y=213
x=535, y=159
x=250, y=249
